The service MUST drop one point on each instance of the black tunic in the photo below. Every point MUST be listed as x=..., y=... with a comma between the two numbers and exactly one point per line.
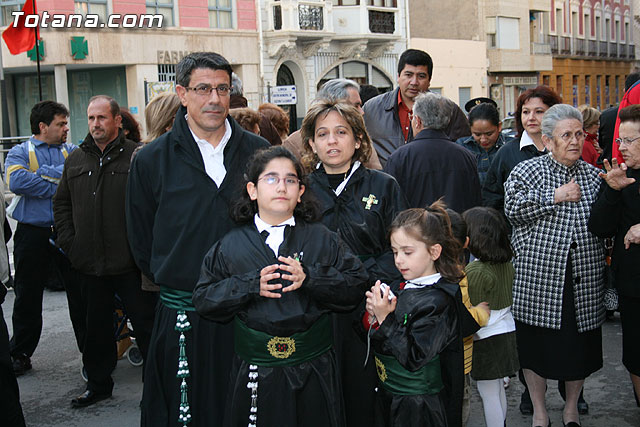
x=425, y=324
x=229, y=285
x=363, y=226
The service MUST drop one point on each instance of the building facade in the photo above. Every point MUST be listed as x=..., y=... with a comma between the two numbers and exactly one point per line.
x=593, y=50
x=129, y=64
x=304, y=43
x=451, y=32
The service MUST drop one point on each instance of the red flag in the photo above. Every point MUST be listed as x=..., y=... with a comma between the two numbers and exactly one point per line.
x=20, y=38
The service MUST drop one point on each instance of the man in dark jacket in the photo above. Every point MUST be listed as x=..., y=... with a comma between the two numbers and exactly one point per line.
x=89, y=215
x=179, y=192
x=387, y=116
x=433, y=166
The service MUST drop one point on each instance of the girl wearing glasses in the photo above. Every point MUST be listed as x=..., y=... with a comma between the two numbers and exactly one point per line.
x=278, y=277
x=359, y=204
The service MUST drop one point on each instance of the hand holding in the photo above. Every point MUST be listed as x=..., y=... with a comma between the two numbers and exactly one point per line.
x=295, y=272
x=616, y=176
x=266, y=274
x=569, y=192
x=380, y=304
x=632, y=236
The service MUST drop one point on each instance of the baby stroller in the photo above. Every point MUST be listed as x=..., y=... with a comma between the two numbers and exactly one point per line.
x=125, y=337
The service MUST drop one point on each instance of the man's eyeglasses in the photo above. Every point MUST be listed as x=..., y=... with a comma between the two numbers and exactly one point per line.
x=626, y=141
x=275, y=180
x=206, y=90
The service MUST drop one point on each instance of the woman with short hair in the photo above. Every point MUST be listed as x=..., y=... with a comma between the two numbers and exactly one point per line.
x=558, y=286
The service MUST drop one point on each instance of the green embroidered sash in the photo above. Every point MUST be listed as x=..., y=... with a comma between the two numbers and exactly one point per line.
x=262, y=349
x=398, y=380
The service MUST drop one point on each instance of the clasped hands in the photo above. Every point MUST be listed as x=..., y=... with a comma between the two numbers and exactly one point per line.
x=295, y=274
x=378, y=304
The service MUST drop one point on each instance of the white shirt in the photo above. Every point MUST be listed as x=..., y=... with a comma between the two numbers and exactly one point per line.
x=276, y=232
x=525, y=140
x=213, y=157
x=423, y=281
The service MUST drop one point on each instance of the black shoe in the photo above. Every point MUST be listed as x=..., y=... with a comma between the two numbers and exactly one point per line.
x=571, y=424
x=88, y=398
x=526, y=406
x=21, y=364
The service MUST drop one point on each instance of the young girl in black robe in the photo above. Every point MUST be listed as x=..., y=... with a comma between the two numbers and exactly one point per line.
x=277, y=277
x=415, y=334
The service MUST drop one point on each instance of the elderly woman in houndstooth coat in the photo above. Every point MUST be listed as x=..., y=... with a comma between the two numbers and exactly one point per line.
x=558, y=289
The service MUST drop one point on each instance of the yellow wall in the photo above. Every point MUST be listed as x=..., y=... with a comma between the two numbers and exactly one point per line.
x=566, y=69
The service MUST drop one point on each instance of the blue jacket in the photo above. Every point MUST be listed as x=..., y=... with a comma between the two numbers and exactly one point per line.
x=33, y=171
x=483, y=157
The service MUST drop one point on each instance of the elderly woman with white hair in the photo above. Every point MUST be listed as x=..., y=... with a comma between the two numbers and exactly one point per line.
x=558, y=288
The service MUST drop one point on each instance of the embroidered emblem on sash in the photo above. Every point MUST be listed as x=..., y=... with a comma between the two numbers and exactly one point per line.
x=281, y=347
x=382, y=371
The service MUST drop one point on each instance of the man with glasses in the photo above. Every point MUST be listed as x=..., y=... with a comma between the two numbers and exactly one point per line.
x=179, y=192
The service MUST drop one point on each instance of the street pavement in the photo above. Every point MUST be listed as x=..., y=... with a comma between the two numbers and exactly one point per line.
x=47, y=390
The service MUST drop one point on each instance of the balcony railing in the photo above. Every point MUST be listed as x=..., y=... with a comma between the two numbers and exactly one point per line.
x=578, y=47
x=382, y=22
x=565, y=45
x=310, y=17
x=613, y=49
x=538, y=48
x=602, y=51
x=593, y=48
x=632, y=51
x=553, y=42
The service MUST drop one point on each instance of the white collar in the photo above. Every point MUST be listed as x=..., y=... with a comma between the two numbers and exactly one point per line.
x=276, y=232
x=526, y=140
x=261, y=225
x=344, y=183
x=423, y=281
x=223, y=142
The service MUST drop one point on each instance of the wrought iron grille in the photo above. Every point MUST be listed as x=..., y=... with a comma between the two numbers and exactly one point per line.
x=310, y=17
x=382, y=22
x=277, y=17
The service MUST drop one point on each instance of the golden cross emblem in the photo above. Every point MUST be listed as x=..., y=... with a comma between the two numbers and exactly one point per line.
x=371, y=200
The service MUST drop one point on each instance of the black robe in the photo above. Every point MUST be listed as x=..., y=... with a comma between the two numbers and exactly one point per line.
x=363, y=226
x=229, y=286
x=425, y=323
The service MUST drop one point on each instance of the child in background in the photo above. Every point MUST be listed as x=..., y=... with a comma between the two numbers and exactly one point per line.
x=278, y=277
x=415, y=335
x=479, y=312
x=490, y=279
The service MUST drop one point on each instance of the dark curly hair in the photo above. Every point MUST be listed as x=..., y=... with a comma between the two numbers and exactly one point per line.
x=244, y=209
x=433, y=226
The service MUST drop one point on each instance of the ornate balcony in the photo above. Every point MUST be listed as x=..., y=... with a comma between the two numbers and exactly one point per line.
x=377, y=22
x=553, y=42
x=565, y=45
x=593, y=48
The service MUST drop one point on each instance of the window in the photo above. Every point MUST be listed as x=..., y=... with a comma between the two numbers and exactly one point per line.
x=360, y=72
x=378, y=3
x=6, y=7
x=93, y=7
x=220, y=14
x=587, y=90
x=167, y=72
x=346, y=2
x=508, y=33
x=464, y=95
x=162, y=7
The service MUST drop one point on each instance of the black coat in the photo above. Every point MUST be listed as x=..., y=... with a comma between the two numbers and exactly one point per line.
x=426, y=323
x=433, y=166
x=362, y=226
x=503, y=163
x=229, y=282
x=612, y=214
x=175, y=211
x=88, y=207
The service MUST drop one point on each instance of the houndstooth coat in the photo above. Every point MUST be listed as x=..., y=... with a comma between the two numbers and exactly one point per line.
x=543, y=235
